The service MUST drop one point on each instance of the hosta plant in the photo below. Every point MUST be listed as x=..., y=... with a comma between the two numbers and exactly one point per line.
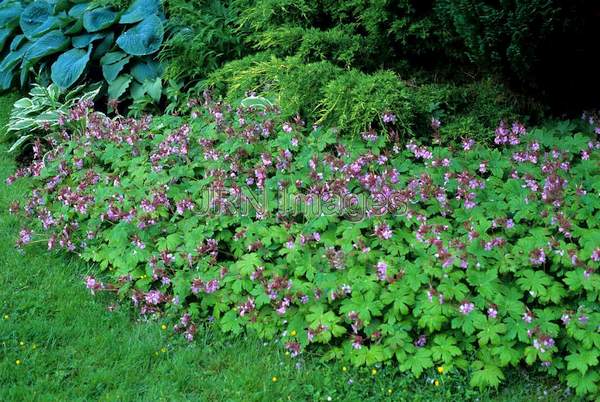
x=67, y=39
x=44, y=109
x=475, y=258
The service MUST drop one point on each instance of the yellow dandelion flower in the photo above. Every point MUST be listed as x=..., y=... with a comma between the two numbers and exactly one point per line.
x=274, y=379
x=436, y=383
x=163, y=327
x=390, y=391
x=164, y=350
x=18, y=362
x=293, y=333
x=440, y=370
x=6, y=317
x=374, y=372
x=344, y=369
x=22, y=343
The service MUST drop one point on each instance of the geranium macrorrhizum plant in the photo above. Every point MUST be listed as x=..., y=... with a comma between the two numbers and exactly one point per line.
x=480, y=257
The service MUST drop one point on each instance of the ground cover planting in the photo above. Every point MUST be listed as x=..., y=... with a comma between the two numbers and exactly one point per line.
x=478, y=257
x=322, y=199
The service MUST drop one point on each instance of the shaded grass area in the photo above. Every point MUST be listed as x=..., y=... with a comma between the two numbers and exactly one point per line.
x=59, y=343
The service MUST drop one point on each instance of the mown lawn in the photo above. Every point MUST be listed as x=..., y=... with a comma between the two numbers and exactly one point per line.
x=59, y=343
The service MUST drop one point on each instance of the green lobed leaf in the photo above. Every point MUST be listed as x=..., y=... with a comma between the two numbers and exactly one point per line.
x=118, y=87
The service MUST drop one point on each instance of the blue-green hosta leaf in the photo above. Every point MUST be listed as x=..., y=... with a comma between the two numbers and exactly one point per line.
x=4, y=35
x=139, y=10
x=6, y=78
x=9, y=14
x=55, y=22
x=14, y=57
x=118, y=87
x=104, y=46
x=36, y=18
x=112, y=57
x=69, y=66
x=84, y=40
x=74, y=27
x=77, y=10
x=144, y=71
x=59, y=5
x=52, y=42
x=110, y=71
x=16, y=42
x=144, y=38
x=98, y=19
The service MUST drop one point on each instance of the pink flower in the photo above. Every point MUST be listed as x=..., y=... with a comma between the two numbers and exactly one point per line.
x=153, y=297
x=357, y=342
x=381, y=271
x=92, y=284
x=247, y=307
x=538, y=257
x=466, y=307
x=383, y=231
x=421, y=341
x=212, y=286
x=468, y=144
x=389, y=118
x=293, y=348
x=24, y=237
x=184, y=205
x=197, y=285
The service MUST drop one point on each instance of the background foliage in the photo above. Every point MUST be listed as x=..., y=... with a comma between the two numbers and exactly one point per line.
x=61, y=41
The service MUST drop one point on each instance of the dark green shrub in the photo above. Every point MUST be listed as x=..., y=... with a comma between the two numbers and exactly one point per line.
x=294, y=85
x=355, y=101
x=337, y=45
x=361, y=34
x=540, y=46
x=470, y=109
x=202, y=35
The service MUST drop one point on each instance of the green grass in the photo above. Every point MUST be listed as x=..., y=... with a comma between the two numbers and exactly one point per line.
x=71, y=347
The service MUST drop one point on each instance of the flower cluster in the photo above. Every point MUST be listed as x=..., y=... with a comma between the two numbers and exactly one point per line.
x=476, y=252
